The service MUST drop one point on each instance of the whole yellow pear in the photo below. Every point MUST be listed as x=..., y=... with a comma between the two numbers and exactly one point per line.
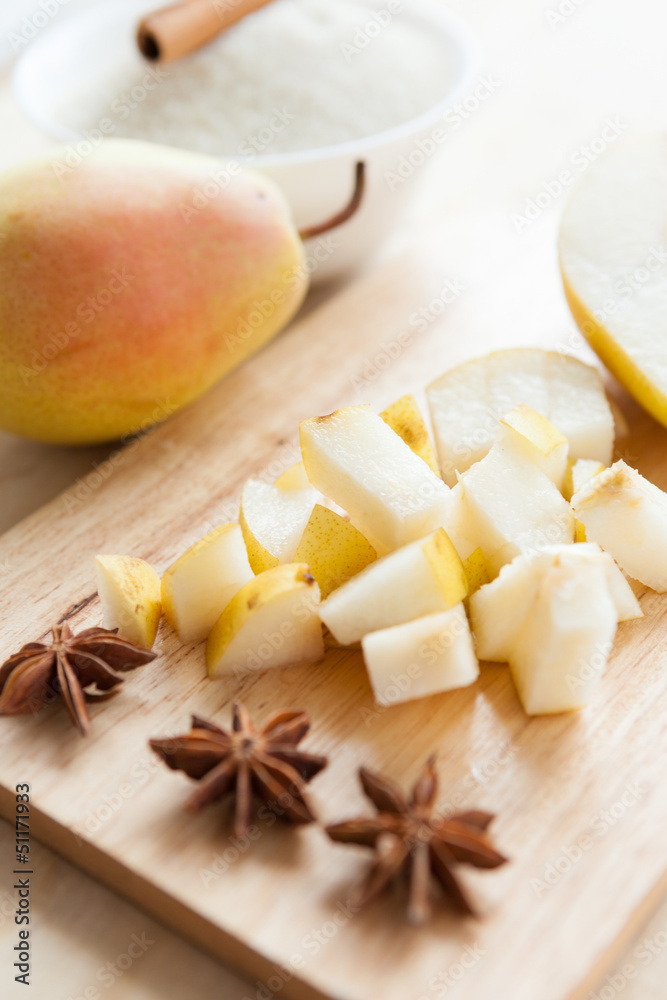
x=131, y=283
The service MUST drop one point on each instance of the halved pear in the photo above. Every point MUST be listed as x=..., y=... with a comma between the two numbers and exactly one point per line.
x=420, y=658
x=333, y=548
x=627, y=516
x=562, y=649
x=405, y=419
x=531, y=435
x=271, y=622
x=294, y=478
x=129, y=589
x=201, y=583
x=467, y=402
x=419, y=579
x=356, y=459
x=613, y=261
x=272, y=520
x=514, y=507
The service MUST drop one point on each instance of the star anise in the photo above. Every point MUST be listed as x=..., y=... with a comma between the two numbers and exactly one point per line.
x=408, y=837
x=75, y=667
x=265, y=762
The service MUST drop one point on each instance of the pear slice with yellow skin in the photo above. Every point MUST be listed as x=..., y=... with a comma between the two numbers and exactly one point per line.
x=419, y=579
x=129, y=589
x=627, y=516
x=199, y=585
x=405, y=418
x=578, y=473
x=294, y=478
x=527, y=432
x=353, y=457
x=273, y=520
x=334, y=549
x=476, y=571
x=467, y=402
x=271, y=622
x=614, y=264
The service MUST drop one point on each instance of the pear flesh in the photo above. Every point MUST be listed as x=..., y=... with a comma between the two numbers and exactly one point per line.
x=627, y=516
x=468, y=401
x=271, y=622
x=421, y=578
x=391, y=495
x=422, y=657
x=129, y=589
x=614, y=264
x=200, y=584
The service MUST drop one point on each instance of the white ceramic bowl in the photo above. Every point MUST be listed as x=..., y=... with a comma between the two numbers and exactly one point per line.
x=317, y=182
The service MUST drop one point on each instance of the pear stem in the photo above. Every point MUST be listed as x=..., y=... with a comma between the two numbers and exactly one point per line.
x=346, y=213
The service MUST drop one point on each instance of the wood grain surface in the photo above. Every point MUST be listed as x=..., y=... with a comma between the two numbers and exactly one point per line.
x=553, y=781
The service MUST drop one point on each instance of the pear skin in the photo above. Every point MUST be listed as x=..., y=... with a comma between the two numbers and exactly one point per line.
x=132, y=282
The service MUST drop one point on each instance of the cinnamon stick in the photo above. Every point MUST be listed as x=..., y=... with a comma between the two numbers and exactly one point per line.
x=181, y=28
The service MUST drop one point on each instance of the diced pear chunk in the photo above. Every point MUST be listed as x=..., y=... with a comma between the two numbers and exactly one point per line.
x=271, y=622
x=627, y=516
x=129, y=589
x=498, y=610
x=419, y=579
x=357, y=461
x=333, y=549
x=514, y=507
x=404, y=417
x=273, y=519
x=476, y=571
x=578, y=474
x=533, y=437
x=422, y=657
x=200, y=584
x=561, y=651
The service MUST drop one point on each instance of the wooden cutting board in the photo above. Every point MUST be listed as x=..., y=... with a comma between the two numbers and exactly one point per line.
x=579, y=798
